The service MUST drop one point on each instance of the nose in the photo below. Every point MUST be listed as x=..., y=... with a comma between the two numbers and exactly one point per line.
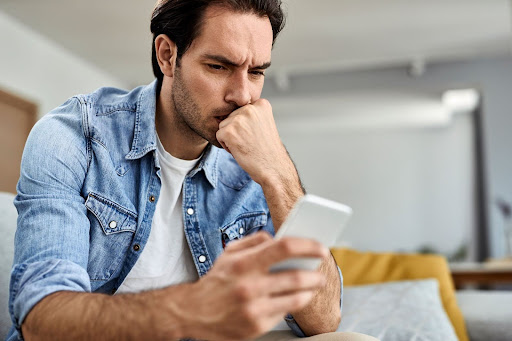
x=238, y=90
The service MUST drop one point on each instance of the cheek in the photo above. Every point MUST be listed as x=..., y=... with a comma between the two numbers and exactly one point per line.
x=209, y=93
x=256, y=90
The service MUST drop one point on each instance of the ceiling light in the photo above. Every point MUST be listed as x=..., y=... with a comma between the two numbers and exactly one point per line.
x=461, y=100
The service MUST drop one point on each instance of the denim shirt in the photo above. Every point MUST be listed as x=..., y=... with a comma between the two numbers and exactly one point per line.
x=89, y=184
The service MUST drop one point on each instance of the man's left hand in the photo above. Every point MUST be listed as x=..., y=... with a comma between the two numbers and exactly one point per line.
x=250, y=135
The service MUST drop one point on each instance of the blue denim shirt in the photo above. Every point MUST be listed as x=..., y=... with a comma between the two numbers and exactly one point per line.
x=91, y=162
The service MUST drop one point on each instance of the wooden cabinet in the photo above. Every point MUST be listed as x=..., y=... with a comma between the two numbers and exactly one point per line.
x=17, y=116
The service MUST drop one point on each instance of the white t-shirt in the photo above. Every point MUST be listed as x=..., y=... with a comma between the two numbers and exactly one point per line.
x=166, y=259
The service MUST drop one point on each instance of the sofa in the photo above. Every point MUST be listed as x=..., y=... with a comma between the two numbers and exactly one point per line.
x=384, y=295
x=394, y=296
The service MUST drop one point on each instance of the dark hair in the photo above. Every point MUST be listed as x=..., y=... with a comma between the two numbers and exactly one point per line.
x=181, y=21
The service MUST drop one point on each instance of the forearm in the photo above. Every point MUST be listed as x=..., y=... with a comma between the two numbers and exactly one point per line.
x=282, y=190
x=323, y=313
x=88, y=316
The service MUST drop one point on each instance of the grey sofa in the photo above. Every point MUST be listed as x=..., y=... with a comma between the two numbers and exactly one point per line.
x=488, y=315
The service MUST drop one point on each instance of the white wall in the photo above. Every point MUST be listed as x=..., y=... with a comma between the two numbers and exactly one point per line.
x=408, y=185
x=35, y=68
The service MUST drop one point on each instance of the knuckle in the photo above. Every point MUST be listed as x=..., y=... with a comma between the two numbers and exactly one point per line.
x=301, y=300
x=229, y=132
x=239, y=266
x=264, y=102
x=299, y=280
x=250, y=314
x=243, y=291
x=287, y=246
x=263, y=236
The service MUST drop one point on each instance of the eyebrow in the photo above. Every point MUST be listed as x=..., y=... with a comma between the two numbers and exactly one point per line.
x=228, y=62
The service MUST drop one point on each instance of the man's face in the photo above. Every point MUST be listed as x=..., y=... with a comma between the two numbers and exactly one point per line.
x=221, y=71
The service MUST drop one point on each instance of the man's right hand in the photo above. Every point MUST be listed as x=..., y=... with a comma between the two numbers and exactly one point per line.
x=240, y=299
x=237, y=299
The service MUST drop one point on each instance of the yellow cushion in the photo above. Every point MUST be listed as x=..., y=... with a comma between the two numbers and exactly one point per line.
x=367, y=268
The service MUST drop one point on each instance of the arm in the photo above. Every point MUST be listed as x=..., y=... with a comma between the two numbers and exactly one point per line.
x=50, y=288
x=66, y=315
x=244, y=305
x=251, y=136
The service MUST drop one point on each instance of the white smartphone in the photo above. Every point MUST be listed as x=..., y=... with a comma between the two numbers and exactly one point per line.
x=316, y=218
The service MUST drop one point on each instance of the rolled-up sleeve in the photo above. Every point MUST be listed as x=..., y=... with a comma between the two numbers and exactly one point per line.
x=52, y=235
x=294, y=326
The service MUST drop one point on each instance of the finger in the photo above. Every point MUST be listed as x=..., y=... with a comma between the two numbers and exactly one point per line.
x=224, y=146
x=283, y=304
x=290, y=247
x=287, y=282
x=249, y=241
x=220, y=138
x=232, y=116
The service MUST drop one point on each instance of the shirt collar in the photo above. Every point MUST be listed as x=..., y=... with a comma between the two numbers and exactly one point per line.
x=208, y=164
x=144, y=137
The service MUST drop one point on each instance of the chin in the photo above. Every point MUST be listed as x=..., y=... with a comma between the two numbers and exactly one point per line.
x=216, y=143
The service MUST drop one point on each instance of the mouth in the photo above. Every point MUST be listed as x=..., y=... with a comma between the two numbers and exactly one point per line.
x=221, y=118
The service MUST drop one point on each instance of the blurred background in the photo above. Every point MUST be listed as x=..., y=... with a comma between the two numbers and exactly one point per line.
x=398, y=108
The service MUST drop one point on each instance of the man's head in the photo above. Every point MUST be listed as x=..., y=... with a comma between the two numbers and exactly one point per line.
x=210, y=57
x=182, y=20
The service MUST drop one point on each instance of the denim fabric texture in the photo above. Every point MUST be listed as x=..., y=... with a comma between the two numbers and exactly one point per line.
x=89, y=184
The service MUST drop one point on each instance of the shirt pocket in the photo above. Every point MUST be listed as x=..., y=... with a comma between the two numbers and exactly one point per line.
x=112, y=230
x=243, y=225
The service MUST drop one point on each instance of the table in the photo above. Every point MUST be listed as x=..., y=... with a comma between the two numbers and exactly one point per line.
x=481, y=274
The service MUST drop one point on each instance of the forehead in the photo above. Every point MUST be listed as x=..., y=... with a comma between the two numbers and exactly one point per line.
x=244, y=38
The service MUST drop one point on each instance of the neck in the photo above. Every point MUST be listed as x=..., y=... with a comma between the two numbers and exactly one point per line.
x=175, y=135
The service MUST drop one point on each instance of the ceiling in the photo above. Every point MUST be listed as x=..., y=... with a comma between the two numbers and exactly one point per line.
x=321, y=35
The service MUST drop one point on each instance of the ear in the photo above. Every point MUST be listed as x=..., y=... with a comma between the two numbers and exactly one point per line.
x=166, y=53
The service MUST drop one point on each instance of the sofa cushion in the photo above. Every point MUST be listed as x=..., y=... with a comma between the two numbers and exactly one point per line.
x=397, y=311
x=368, y=268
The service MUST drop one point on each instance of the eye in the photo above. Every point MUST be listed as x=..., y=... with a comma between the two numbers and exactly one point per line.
x=258, y=73
x=215, y=66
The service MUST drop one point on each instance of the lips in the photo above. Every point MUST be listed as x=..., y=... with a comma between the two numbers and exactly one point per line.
x=221, y=118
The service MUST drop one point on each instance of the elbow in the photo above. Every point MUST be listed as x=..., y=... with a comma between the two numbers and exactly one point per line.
x=337, y=321
x=327, y=326
x=334, y=322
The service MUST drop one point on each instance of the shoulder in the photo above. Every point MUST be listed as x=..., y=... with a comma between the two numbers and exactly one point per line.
x=108, y=100
x=63, y=124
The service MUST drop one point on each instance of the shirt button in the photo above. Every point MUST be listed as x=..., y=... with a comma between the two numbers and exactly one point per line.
x=202, y=259
x=152, y=198
x=136, y=247
x=241, y=230
x=112, y=224
x=190, y=211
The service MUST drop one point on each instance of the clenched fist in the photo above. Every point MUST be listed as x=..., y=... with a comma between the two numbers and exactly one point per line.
x=250, y=135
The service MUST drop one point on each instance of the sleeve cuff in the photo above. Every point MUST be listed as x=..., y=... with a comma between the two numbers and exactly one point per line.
x=30, y=283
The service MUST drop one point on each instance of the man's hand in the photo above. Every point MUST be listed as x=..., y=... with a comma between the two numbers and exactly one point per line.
x=250, y=135
x=240, y=299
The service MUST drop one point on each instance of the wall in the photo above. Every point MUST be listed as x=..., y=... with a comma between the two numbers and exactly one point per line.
x=33, y=67
x=408, y=185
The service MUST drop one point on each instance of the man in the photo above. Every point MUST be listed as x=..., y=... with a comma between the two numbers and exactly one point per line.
x=138, y=193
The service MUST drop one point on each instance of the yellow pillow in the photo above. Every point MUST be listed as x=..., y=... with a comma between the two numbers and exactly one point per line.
x=367, y=268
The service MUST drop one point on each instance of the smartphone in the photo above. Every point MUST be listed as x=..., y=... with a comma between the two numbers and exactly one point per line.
x=315, y=218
